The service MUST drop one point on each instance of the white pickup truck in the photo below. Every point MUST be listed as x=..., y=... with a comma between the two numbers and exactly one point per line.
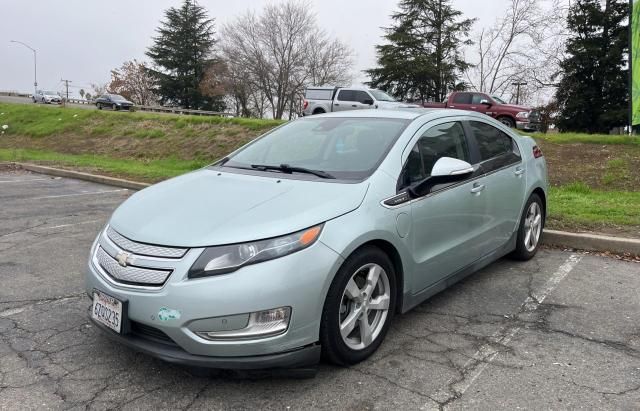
x=319, y=100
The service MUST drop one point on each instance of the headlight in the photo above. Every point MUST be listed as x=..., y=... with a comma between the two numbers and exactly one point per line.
x=523, y=114
x=228, y=258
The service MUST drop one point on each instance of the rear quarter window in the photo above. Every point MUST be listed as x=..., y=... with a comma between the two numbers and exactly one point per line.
x=316, y=94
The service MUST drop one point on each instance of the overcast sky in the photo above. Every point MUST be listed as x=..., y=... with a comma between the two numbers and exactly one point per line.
x=82, y=40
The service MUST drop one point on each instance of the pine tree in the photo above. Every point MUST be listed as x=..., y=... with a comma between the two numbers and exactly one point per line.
x=422, y=58
x=181, y=53
x=593, y=92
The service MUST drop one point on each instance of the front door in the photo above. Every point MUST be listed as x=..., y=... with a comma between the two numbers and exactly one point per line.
x=448, y=222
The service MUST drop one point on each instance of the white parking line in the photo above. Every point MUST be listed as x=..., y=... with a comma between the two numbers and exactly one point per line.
x=68, y=225
x=80, y=194
x=487, y=353
x=24, y=180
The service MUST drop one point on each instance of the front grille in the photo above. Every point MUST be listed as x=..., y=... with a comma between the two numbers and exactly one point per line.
x=144, y=249
x=534, y=116
x=150, y=333
x=130, y=274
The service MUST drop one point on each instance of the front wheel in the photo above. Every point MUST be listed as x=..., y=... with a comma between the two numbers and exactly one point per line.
x=99, y=106
x=530, y=230
x=507, y=122
x=114, y=108
x=359, y=307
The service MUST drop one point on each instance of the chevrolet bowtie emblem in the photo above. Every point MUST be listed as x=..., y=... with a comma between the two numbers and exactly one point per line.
x=123, y=258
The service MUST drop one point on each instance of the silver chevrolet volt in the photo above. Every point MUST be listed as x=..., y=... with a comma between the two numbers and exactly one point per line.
x=308, y=240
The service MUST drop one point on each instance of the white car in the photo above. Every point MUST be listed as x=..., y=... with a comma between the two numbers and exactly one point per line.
x=320, y=100
x=47, y=97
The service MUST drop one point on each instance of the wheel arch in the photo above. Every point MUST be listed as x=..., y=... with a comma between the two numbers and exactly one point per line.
x=506, y=115
x=392, y=252
x=543, y=196
x=319, y=110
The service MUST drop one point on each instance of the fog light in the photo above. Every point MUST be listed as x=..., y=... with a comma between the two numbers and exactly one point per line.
x=261, y=324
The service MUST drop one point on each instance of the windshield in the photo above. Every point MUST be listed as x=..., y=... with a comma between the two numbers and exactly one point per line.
x=346, y=148
x=381, y=95
x=498, y=99
x=117, y=97
x=50, y=93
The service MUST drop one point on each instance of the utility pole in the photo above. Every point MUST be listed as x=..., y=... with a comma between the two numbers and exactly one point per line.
x=35, y=65
x=66, y=84
x=518, y=84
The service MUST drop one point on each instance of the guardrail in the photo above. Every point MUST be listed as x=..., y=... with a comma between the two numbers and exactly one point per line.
x=177, y=110
x=152, y=109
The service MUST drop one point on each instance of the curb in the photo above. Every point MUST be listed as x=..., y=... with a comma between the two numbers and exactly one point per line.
x=112, y=181
x=591, y=242
x=578, y=241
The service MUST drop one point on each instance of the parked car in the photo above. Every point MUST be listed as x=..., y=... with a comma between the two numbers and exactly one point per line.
x=320, y=100
x=47, y=97
x=514, y=116
x=312, y=237
x=114, y=101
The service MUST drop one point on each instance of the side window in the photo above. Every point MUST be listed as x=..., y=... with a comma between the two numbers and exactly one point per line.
x=346, y=95
x=477, y=98
x=443, y=140
x=361, y=96
x=492, y=142
x=462, y=98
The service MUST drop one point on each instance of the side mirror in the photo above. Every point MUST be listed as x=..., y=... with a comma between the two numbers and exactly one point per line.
x=447, y=166
x=446, y=170
x=486, y=102
x=368, y=101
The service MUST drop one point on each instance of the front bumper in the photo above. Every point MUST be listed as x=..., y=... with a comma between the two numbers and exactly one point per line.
x=299, y=358
x=299, y=281
x=528, y=126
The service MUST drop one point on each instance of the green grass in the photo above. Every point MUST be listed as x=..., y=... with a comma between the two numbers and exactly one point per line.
x=571, y=138
x=42, y=121
x=617, y=171
x=148, y=170
x=579, y=205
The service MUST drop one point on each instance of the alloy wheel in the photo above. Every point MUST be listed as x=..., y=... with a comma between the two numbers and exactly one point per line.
x=364, y=306
x=532, y=226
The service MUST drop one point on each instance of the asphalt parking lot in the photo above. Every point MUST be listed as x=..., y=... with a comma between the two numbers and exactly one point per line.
x=561, y=331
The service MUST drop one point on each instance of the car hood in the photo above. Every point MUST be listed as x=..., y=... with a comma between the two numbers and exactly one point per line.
x=208, y=207
x=514, y=107
x=123, y=102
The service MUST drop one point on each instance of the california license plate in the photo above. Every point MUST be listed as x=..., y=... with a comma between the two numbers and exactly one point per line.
x=107, y=311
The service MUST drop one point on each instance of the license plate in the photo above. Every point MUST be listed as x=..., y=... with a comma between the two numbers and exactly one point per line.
x=107, y=311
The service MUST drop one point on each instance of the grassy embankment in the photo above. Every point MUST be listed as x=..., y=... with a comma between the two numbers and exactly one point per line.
x=595, y=179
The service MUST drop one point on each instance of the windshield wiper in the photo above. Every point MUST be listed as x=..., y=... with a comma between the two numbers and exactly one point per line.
x=286, y=168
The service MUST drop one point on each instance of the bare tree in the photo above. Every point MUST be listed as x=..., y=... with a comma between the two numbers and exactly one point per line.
x=98, y=89
x=280, y=51
x=526, y=44
x=134, y=81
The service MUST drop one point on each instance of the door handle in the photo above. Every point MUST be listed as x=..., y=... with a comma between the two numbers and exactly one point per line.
x=353, y=105
x=519, y=171
x=336, y=104
x=478, y=188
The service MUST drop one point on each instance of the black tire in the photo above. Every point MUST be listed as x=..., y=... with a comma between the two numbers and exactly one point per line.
x=318, y=111
x=522, y=251
x=334, y=349
x=507, y=121
x=114, y=107
x=99, y=106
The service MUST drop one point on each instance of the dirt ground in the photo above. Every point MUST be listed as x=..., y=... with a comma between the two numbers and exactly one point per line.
x=606, y=167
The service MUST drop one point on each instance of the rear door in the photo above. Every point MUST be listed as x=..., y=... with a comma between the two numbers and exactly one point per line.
x=351, y=100
x=461, y=101
x=503, y=170
x=448, y=223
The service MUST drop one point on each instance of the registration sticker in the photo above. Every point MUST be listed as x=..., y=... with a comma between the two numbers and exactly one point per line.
x=107, y=311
